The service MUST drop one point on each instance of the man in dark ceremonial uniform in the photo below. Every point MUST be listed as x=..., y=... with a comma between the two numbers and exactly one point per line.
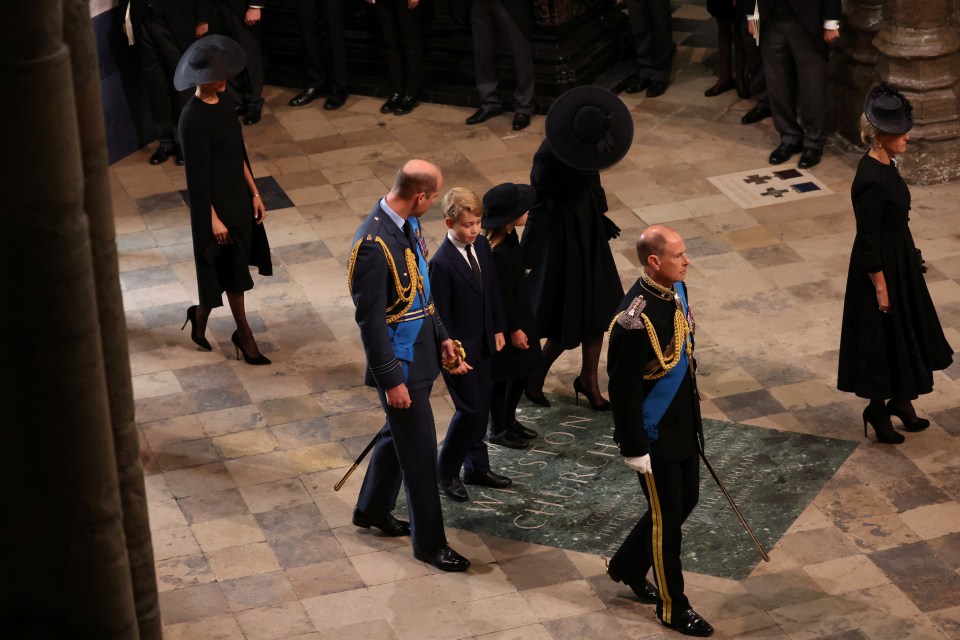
x=656, y=416
x=405, y=344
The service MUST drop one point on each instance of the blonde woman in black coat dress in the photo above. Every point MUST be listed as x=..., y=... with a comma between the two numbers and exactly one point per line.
x=226, y=212
x=891, y=341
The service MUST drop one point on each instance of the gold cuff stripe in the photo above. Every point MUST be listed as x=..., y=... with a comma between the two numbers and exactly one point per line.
x=657, y=559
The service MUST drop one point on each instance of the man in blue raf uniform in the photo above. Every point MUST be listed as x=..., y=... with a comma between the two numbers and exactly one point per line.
x=403, y=337
x=656, y=417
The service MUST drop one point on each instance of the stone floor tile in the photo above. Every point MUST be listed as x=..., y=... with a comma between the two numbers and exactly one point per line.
x=598, y=624
x=284, y=410
x=192, y=603
x=563, y=599
x=245, y=443
x=307, y=548
x=173, y=542
x=320, y=457
x=227, y=532
x=258, y=469
x=271, y=496
x=257, y=590
x=165, y=513
x=817, y=545
x=230, y=420
x=388, y=566
x=184, y=571
x=879, y=532
x=241, y=561
x=219, y=627
x=277, y=621
x=540, y=569
x=947, y=621
x=337, y=610
x=486, y=581
x=379, y=629
x=196, y=480
x=846, y=574
x=933, y=520
x=755, y=627
x=324, y=577
x=445, y=624
x=818, y=618
x=191, y=453
x=783, y=589
x=357, y=541
x=204, y=507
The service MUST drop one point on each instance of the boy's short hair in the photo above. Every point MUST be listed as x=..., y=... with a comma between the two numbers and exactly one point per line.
x=458, y=200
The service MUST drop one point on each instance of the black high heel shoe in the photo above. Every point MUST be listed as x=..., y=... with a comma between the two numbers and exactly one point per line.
x=534, y=393
x=192, y=319
x=882, y=426
x=578, y=388
x=917, y=424
x=260, y=359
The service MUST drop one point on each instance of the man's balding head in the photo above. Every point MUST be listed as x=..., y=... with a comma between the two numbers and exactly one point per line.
x=415, y=177
x=653, y=241
x=662, y=254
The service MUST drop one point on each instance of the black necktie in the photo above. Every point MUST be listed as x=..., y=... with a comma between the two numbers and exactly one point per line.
x=474, y=266
x=412, y=239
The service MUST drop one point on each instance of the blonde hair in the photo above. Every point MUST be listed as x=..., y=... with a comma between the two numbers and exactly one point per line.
x=868, y=132
x=495, y=236
x=458, y=200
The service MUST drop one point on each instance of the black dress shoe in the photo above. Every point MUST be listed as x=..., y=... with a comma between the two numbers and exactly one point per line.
x=656, y=89
x=518, y=429
x=644, y=590
x=390, y=104
x=507, y=439
x=483, y=114
x=443, y=558
x=720, y=87
x=336, y=99
x=487, y=479
x=452, y=487
x=688, y=622
x=637, y=86
x=782, y=153
x=521, y=121
x=810, y=158
x=251, y=115
x=162, y=153
x=406, y=105
x=756, y=114
x=178, y=157
x=306, y=96
x=388, y=524
x=238, y=109
x=743, y=92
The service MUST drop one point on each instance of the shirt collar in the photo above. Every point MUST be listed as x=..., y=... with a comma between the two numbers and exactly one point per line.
x=459, y=245
x=391, y=213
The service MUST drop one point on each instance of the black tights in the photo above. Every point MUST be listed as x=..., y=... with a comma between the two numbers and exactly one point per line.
x=590, y=350
x=238, y=309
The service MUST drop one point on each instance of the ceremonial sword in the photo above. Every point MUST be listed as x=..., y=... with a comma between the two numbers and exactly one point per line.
x=736, y=510
x=356, y=463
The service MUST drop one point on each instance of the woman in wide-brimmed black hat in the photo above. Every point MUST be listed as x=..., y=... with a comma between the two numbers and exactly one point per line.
x=574, y=284
x=891, y=341
x=226, y=211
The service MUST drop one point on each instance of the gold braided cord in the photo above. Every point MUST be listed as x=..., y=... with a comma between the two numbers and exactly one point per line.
x=405, y=294
x=351, y=264
x=681, y=333
x=653, y=286
x=614, y=321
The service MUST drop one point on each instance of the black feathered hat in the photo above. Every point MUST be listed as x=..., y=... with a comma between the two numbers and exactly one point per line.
x=505, y=203
x=209, y=59
x=589, y=128
x=888, y=110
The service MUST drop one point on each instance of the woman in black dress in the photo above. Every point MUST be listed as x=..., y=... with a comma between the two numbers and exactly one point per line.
x=729, y=26
x=226, y=212
x=574, y=284
x=891, y=341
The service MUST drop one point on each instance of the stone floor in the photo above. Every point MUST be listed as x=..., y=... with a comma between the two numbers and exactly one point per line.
x=252, y=542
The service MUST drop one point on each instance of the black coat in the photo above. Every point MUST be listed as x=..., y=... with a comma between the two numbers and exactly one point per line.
x=180, y=15
x=887, y=355
x=511, y=363
x=810, y=13
x=574, y=284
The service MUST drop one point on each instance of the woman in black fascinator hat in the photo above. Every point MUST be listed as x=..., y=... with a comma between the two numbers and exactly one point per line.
x=891, y=340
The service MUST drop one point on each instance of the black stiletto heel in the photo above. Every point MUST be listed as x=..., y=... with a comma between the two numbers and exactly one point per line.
x=261, y=359
x=578, y=388
x=917, y=424
x=534, y=393
x=882, y=426
x=192, y=319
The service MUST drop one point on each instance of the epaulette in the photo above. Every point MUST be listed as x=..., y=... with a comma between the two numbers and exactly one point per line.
x=631, y=317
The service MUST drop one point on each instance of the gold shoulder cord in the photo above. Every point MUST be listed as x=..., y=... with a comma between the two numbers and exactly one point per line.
x=405, y=295
x=614, y=321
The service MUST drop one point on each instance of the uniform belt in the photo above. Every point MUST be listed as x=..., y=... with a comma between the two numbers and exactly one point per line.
x=418, y=314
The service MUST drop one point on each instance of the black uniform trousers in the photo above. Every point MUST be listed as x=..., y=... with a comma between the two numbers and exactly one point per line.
x=246, y=88
x=672, y=492
x=401, y=29
x=159, y=55
x=796, y=75
x=652, y=25
x=464, y=445
x=324, y=43
x=407, y=452
x=490, y=22
x=758, y=80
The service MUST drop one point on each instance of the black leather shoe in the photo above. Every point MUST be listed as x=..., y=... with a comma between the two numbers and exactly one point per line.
x=238, y=109
x=810, y=158
x=756, y=114
x=508, y=440
x=518, y=429
x=483, y=114
x=336, y=99
x=782, y=153
x=521, y=121
x=306, y=96
x=390, y=104
x=720, y=87
x=443, y=558
x=656, y=89
x=178, y=157
x=644, y=590
x=251, y=115
x=406, y=105
x=162, y=154
x=487, y=479
x=452, y=487
x=638, y=86
x=689, y=623
x=388, y=524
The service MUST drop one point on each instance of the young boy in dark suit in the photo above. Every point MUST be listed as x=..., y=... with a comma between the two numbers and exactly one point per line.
x=466, y=291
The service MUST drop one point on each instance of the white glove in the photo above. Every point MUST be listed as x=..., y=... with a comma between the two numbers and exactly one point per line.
x=640, y=464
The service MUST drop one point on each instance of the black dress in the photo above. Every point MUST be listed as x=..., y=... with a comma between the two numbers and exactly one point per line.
x=722, y=9
x=511, y=363
x=574, y=284
x=887, y=355
x=214, y=156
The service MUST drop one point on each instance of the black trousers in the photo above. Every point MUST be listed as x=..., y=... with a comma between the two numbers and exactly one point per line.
x=246, y=88
x=464, y=445
x=758, y=80
x=796, y=73
x=401, y=36
x=672, y=491
x=652, y=25
x=490, y=23
x=407, y=453
x=324, y=42
x=159, y=55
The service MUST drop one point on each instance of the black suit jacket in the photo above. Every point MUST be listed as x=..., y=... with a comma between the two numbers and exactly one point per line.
x=373, y=291
x=181, y=16
x=472, y=315
x=810, y=13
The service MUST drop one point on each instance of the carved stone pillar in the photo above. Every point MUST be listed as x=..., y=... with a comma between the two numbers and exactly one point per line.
x=855, y=68
x=918, y=46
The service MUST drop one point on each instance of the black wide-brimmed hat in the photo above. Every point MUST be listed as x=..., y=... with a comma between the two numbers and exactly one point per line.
x=505, y=203
x=589, y=128
x=209, y=59
x=888, y=110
